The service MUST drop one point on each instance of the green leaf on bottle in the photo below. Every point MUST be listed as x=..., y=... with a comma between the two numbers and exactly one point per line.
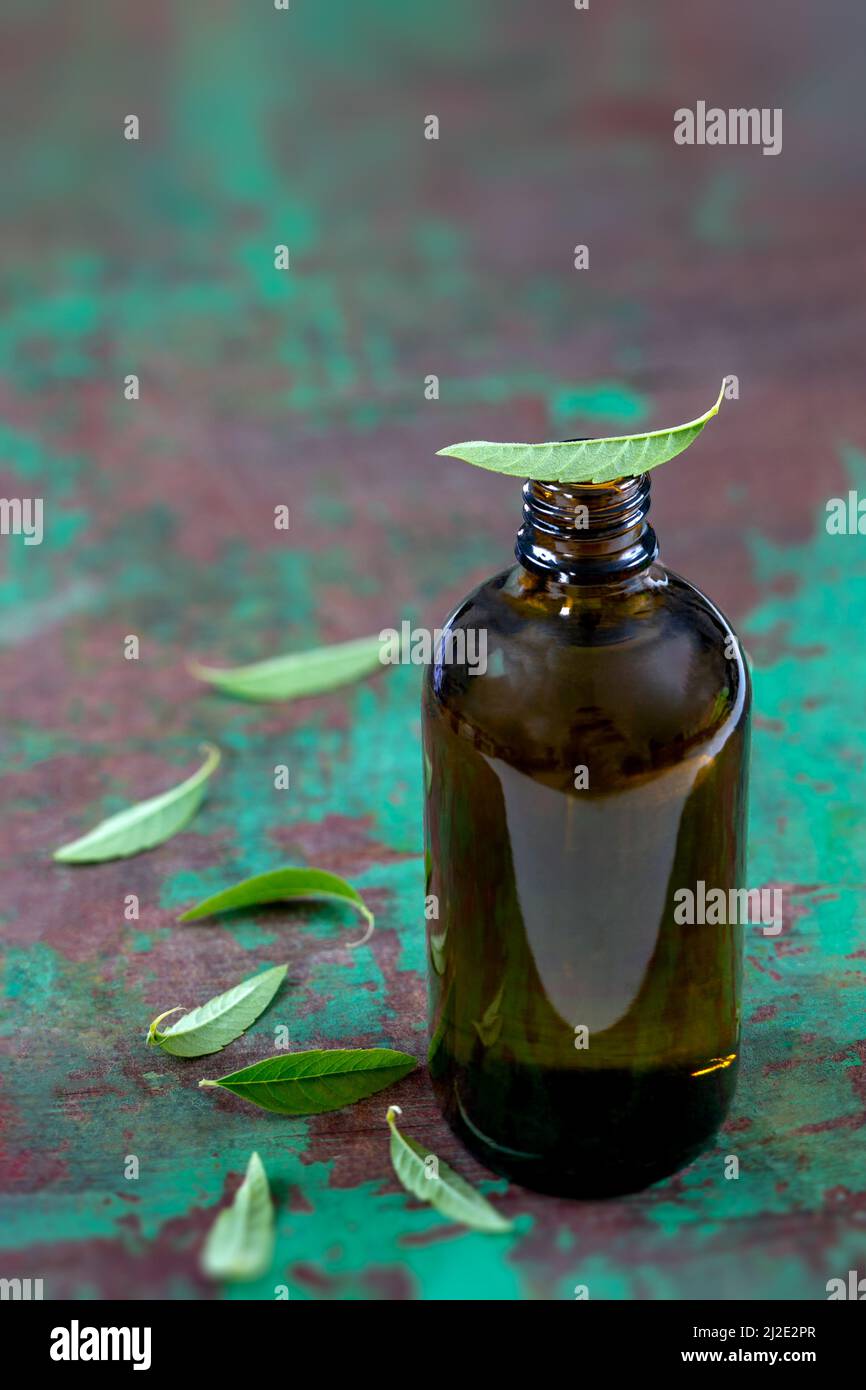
x=311, y=1083
x=144, y=825
x=300, y=673
x=284, y=885
x=430, y=1179
x=222, y=1019
x=240, y=1244
x=585, y=460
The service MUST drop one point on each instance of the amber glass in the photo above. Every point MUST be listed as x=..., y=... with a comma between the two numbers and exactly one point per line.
x=581, y=1040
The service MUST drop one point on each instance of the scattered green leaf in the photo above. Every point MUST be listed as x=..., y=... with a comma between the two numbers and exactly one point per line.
x=144, y=825
x=439, y=1185
x=584, y=460
x=240, y=1244
x=284, y=885
x=301, y=673
x=309, y=1083
x=221, y=1020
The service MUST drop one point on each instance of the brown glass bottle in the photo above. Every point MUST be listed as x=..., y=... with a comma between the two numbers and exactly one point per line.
x=582, y=1041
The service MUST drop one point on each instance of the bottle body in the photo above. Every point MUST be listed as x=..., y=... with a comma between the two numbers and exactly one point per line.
x=583, y=1037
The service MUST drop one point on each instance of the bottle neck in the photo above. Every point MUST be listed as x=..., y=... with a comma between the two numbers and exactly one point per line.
x=587, y=533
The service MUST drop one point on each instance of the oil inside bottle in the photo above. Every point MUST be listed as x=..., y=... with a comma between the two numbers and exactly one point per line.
x=583, y=1039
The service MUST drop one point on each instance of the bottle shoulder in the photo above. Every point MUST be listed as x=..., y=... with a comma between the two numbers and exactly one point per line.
x=539, y=674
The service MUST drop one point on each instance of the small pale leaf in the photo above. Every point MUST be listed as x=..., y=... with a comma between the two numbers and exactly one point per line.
x=300, y=673
x=240, y=1244
x=222, y=1019
x=144, y=825
x=448, y=1192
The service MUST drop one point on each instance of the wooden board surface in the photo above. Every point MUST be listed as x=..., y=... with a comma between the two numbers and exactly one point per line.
x=408, y=257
